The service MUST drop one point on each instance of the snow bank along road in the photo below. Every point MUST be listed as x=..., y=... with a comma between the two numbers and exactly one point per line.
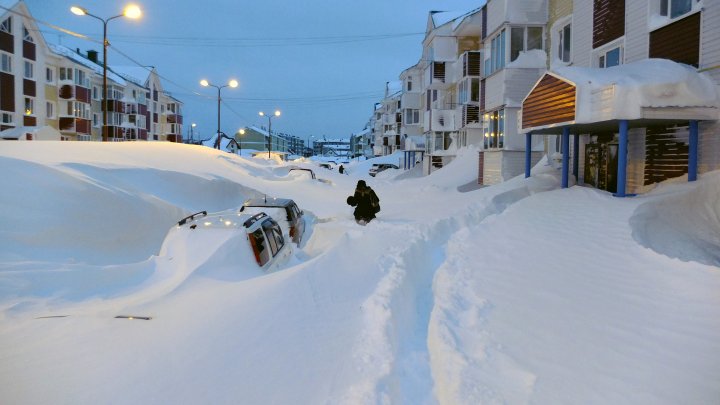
x=515, y=293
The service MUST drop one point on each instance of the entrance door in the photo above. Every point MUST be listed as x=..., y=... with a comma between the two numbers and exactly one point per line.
x=601, y=160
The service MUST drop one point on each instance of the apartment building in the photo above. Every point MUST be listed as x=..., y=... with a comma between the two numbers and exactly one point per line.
x=637, y=85
x=388, y=120
x=49, y=91
x=475, y=69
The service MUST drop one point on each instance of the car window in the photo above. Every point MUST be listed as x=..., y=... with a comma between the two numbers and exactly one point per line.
x=267, y=227
x=257, y=240
x=278, y=236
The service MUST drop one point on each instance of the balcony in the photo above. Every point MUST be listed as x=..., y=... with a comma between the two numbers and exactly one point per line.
x=411, y=100
x=469, y=64
x=441, y=120
x=438, y=75
x=471, y=116
x=174, y=119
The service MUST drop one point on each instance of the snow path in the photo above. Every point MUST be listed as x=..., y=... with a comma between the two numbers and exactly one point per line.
x=397, y=350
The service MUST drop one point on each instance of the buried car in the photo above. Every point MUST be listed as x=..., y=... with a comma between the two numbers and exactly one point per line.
x=379, y=167
x=284, y=210
x=244, y=235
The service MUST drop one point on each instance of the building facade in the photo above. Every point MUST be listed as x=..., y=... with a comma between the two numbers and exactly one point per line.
x=46, y=85
x=662, y=54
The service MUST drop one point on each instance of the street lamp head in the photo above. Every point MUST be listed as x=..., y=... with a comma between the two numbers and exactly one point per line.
x=242, y=131
x=262, y=114
x=78, y=10
x=277, y=113
x=204, y=83
x=132, y=11
x=233, y=83
x=194, y=125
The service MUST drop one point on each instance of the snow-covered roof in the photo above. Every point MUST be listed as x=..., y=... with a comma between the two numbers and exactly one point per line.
x=80, y=59
x=136, y=74
x=622, y=92
x=440, y=18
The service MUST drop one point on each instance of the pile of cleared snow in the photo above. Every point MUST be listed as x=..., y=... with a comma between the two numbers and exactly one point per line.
x=684, y=225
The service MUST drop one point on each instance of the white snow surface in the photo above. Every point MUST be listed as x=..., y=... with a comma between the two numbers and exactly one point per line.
x=512, y=294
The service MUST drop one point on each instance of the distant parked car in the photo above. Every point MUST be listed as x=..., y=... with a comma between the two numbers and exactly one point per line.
x=248, y=236
x=283, y=210
x=302, y=170
x=325, y=166
x=379, y=167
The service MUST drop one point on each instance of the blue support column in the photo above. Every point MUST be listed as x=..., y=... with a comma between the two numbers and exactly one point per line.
x=693, y=152
x=528, y=153
x=565, y=156
x=622, y=159
x=576, y=156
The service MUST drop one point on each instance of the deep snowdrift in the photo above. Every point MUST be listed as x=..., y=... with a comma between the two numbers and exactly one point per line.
x=515, y=293
x=685, y=225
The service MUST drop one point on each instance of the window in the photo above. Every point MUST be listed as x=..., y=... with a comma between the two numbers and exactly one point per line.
x=469, y=91
x=494, y=130
x=5, y=62
x=6, y=118
x=496, y=61
x=49, y=75
x=611, y=58
x=675, y=8
x=66, y=73
x=412, y=117
x=81, y=78
x=96, y=120
x=95, y=93
x=29, y=106
x=6, y=25
x=525, y=39
x=29, y=70
x=563, y=44
x=409, y=83
x=27, y=36
x=78, y=109
x=49, y=110
x=257, y=240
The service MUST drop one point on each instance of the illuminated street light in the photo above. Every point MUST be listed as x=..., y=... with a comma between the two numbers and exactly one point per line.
x=232, y=83
x=130, y=11
x=269, y=117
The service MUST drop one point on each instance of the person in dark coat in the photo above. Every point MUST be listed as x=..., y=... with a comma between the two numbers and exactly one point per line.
x=341, y=169
x=366, y=203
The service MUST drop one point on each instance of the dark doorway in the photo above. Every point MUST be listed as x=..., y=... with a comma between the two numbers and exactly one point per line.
x=601, y=163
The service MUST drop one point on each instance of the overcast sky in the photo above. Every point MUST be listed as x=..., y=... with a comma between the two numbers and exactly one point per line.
x=323, y=63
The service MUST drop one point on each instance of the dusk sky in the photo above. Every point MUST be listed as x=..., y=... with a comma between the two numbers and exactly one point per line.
x=323, y=63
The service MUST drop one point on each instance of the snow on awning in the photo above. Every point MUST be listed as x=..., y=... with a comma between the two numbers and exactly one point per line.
x=645, y=90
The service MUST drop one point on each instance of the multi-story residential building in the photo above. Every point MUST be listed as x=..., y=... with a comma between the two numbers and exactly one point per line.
x=389, y=120
x=411, y=127
x=513, y=36
x=636, y=84
x=22, y=72
x=440, y=121
x=50, y=89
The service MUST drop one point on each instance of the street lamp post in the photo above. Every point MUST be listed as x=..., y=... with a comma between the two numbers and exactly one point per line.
x=269, y=117
x=232, y=83
x=131, y=11
x=192, y=127
x=241, y=132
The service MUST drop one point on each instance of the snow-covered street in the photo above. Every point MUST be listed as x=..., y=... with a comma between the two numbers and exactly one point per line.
x=516, y=293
